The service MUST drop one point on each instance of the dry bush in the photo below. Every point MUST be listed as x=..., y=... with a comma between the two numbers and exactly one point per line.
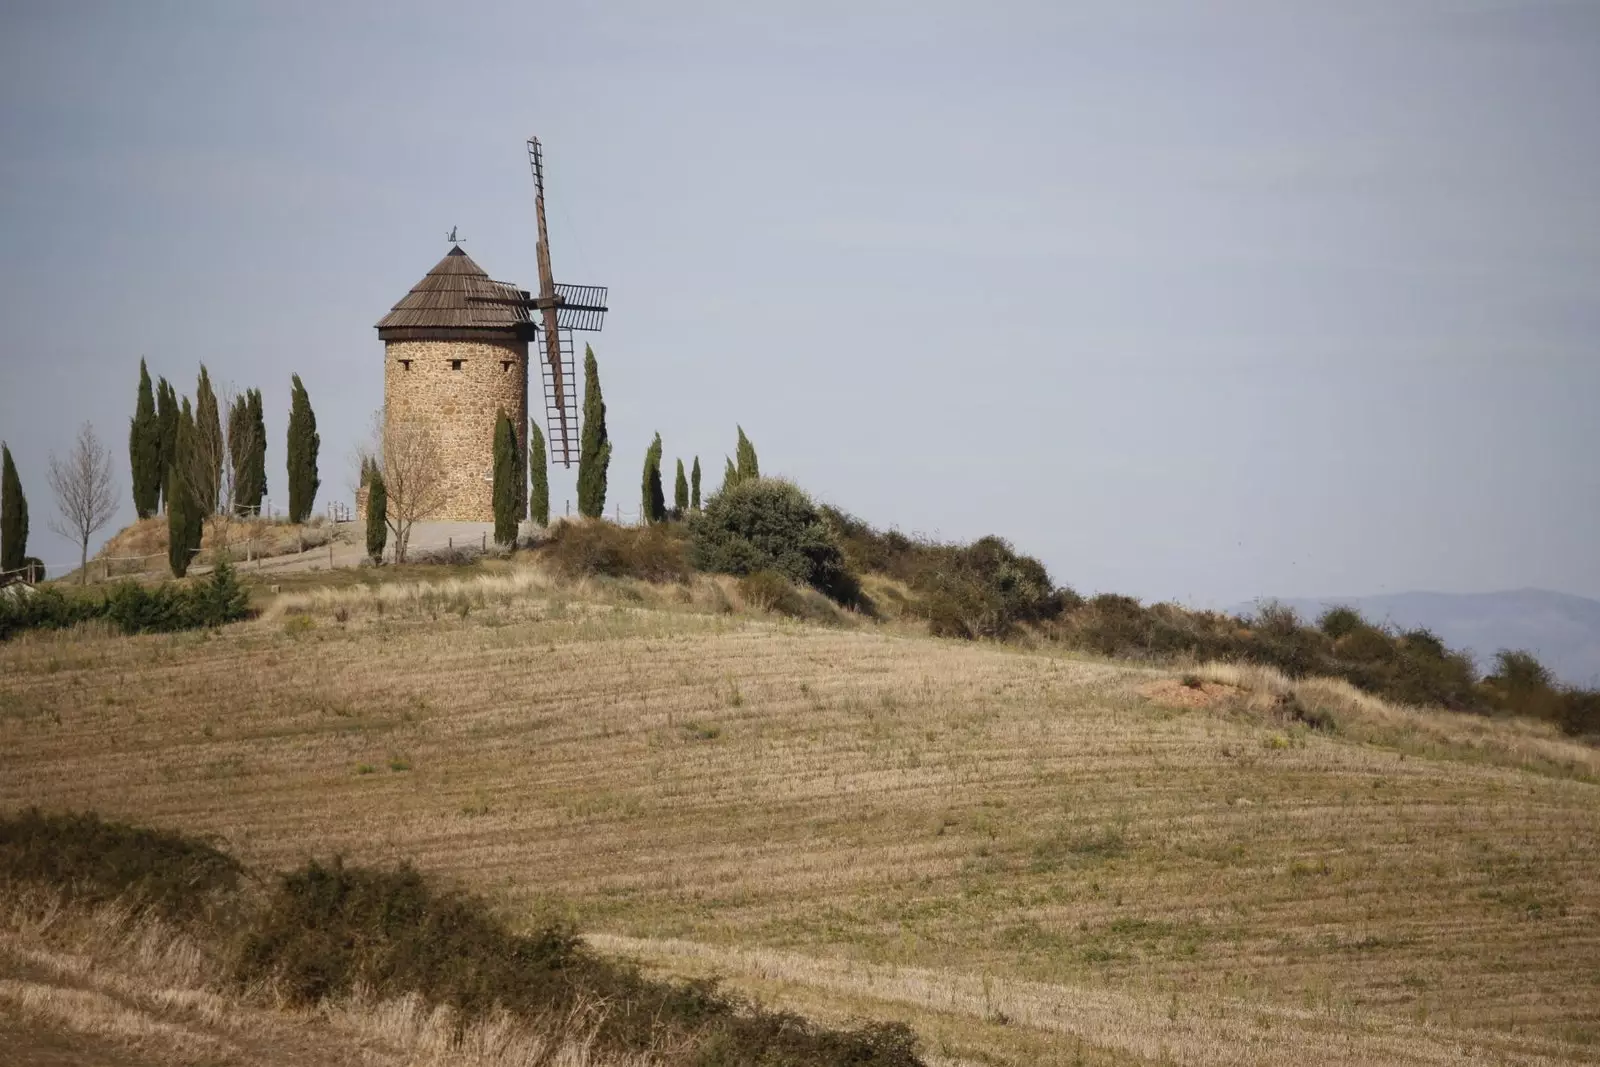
x=771, y=592
x=594, y=547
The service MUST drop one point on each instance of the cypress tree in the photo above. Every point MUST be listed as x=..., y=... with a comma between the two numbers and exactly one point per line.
x=652, y=502
x=694, y=485
x=505, y=482
x=303, y=445
x=594, y=454
x=539, y=499
x=185, y=517
x=680, y=493
x=208, y=442
x=13, y=516
x=730, y=475
x=177, y=524
x=166, y=432
x=239, y=450
x=144, y=449
x=258, y=456
x=377, y=514
x=749, y=469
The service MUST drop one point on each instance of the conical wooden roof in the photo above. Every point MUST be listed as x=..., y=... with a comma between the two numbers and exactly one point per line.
x=457, y=295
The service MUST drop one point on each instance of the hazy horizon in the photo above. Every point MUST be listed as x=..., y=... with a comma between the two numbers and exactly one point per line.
x=1264, y=300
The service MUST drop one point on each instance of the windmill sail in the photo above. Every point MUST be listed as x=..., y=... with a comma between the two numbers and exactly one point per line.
x=562, y=308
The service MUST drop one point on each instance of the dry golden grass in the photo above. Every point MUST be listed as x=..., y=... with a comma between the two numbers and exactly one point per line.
x=1014, y=851
x=140, y=549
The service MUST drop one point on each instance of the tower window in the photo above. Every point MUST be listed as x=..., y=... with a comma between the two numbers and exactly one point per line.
x=406, y=363
x=505, y=366
x=455, y=364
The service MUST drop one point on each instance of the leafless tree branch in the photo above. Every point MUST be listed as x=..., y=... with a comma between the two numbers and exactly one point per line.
x=413, y=476
x=84, y=492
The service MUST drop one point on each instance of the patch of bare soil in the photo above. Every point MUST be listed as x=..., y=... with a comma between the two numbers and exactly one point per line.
x=1175, y=693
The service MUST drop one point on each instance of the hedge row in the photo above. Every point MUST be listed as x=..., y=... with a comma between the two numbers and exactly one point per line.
x=130, y=607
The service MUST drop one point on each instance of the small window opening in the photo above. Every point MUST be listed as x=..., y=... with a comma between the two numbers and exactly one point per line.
x=406, y=363
x=505, y=366
x=455, y=364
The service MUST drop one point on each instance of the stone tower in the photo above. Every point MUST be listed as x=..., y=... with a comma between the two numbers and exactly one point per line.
x=455, y=354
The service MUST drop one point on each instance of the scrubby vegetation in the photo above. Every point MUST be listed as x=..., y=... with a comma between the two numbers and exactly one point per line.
x=131, y=608
x=90, y=861
x=329, y=932
x=985, y=589
x=330, y=929
x=766, y=524
x=652, y=553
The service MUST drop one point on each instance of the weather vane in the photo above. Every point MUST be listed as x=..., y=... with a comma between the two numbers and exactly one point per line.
x=453, y=239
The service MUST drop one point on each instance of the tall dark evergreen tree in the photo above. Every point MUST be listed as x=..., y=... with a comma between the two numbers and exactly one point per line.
x=208, y=444
x=594, y=454
x=144, y=449
x=505, y=481
x=730, y=475
x=652, y=501
x=694, y=485
x=377, y=514
x=749, y=468
x=539, y=496
x=13, y=517
x=303, y=445
x=680, y=492
x=257, y=467
x=185, y=516
x=167, y=431
x=240, y=427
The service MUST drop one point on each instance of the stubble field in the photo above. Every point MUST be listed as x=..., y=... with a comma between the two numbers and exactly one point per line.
x=1018, y=853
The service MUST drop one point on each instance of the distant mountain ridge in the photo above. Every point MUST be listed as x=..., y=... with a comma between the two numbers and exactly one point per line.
x=1561, y=629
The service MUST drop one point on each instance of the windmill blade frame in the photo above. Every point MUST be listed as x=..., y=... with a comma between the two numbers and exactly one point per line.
x=562, y=309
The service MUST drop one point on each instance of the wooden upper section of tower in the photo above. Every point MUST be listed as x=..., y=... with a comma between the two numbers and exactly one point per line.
x=457, y=300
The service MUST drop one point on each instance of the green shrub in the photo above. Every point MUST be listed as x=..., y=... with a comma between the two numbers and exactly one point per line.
x=1338, y=621
x=217, y=599
x=653, y=553
x=1580, y=712
x=768, y=524
x=985, y=589
x=92, y=861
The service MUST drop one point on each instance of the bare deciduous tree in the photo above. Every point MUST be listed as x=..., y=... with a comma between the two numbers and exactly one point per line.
x=413, y=473
x=85, y=493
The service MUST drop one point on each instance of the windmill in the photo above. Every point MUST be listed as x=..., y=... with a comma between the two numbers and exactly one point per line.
x=562, y=309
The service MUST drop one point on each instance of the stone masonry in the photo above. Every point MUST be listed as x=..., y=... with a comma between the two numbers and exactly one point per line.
x=457, y=389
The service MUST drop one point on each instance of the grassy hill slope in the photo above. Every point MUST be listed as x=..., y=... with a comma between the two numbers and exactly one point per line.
x=1022, y=854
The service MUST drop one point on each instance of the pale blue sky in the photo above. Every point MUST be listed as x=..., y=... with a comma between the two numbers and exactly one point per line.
x=1194, y=301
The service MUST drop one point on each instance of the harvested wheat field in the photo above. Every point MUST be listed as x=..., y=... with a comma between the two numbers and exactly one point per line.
x=1030, y=858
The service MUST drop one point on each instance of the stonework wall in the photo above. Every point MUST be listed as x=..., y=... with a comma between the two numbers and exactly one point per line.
x=459, y=406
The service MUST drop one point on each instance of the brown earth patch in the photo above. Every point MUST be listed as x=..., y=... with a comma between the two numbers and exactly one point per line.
x=1174, y=693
